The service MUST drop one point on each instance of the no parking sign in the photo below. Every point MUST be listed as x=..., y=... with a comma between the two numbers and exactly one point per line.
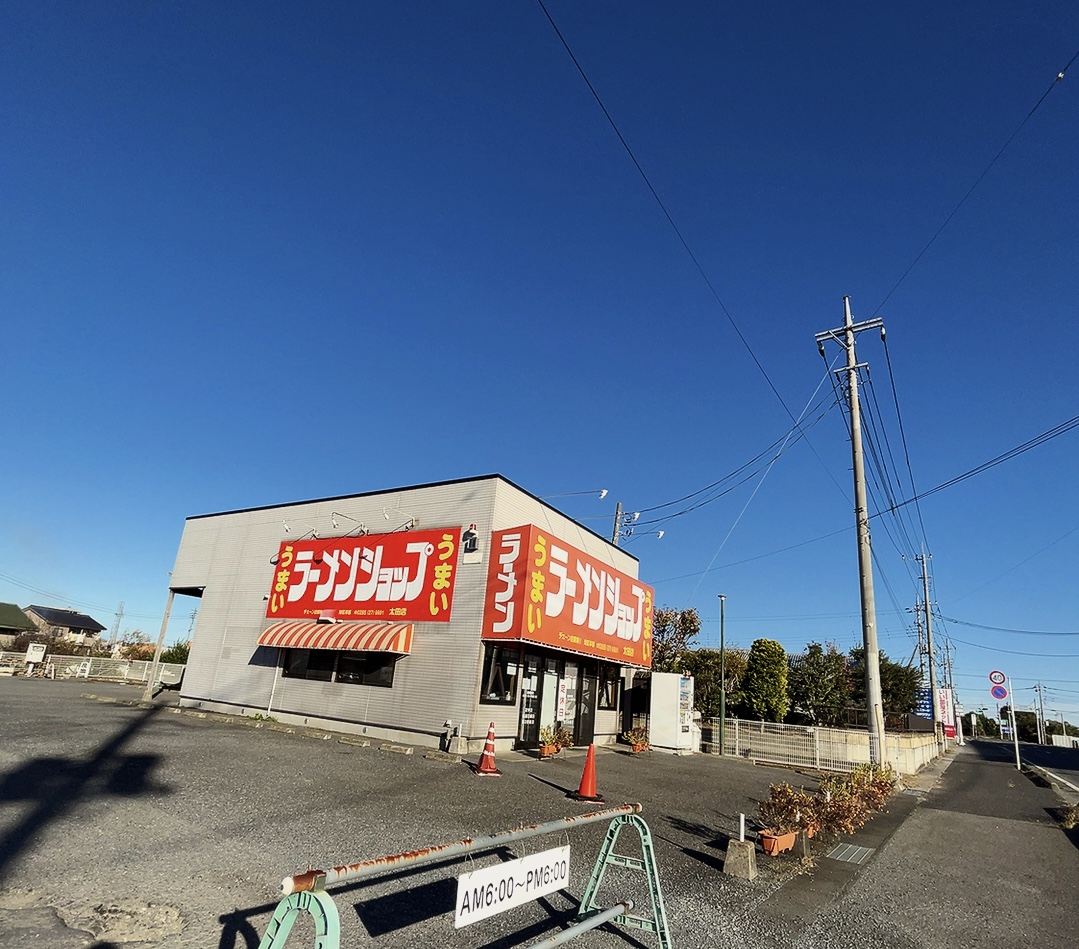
x=999, y=693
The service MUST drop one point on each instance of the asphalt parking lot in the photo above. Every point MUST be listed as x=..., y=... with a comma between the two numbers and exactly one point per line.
x=121, y=824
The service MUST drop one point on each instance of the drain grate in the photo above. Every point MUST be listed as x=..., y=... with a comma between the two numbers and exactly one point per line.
x=848, y=853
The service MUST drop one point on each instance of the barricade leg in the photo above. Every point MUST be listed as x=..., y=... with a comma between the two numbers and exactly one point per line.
x=657, y=923
x=323, y=911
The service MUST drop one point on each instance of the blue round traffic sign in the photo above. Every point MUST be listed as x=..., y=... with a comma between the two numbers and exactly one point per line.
x=999, y=692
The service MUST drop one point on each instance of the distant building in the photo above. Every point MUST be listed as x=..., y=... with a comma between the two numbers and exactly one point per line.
x=64, y=624
x=13, y=624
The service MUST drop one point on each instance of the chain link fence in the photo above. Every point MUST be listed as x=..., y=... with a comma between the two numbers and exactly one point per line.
x=81, y=667
x=824, y=749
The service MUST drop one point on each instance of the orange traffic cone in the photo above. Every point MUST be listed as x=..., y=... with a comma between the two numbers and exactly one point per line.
x=487, y=759
x=587, y=790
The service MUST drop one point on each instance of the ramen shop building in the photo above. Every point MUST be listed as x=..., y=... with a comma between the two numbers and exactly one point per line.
x=414, y=614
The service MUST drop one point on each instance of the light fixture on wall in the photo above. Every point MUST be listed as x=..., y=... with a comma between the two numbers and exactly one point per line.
x=288, y=530
x=569, y=494
x=407, y=526
x=359, y=529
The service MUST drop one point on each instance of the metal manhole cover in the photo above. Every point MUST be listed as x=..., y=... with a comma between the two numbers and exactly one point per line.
x=848, y=853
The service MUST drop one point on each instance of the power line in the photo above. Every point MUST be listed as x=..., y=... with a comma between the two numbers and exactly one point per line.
x=1013, y=652
x=1004, y=629
x=977, y=181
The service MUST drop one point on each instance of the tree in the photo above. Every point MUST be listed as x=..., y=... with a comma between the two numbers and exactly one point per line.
x=177, y=653
x=899, y=684
x=819, y=685
x=704, y=666
x=764, y=685
x=672, y=633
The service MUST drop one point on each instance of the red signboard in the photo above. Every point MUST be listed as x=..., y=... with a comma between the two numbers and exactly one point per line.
x=406, y=576
x=542, y=590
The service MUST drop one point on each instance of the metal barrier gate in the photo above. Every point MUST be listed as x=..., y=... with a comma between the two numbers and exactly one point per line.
x=306, y=892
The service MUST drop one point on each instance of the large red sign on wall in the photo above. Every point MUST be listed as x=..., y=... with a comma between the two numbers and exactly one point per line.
x=542, y=590
x=407, y=576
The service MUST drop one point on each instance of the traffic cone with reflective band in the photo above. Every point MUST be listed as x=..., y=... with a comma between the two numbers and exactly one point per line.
x=587, y=790
x=487, y=759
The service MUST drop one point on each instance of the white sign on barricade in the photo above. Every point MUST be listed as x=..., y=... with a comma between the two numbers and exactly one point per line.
x=497, y=888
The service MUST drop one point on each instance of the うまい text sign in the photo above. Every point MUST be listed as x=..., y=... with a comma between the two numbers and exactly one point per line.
x=542, y=590
x=408, y=576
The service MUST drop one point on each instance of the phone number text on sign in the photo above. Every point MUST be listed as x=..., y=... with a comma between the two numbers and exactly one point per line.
x=503, y=886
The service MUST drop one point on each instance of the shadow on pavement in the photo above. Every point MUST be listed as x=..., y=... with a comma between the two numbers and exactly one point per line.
x=59, y=785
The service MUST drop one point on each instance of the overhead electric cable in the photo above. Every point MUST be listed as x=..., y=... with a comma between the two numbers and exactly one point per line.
x=1005, y=629
x=1059, y=77
x=1038, y=440
x=676, y=229
x=1014, y=652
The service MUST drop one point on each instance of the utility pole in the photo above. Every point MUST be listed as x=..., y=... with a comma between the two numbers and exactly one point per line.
x=1041, y=713
x=722, y=673
x=938, y=728
x=617, y=523
x=844, y=335
x=116, y=626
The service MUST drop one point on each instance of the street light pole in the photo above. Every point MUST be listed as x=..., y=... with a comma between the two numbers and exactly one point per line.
x=722, y=674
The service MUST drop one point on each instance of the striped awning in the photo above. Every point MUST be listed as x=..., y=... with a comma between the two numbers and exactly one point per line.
x=356, y=637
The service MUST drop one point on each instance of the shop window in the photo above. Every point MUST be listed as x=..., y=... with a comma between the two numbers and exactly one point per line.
x=309, y=664
x=366, y=668
x=610, y=678
x=501, y=668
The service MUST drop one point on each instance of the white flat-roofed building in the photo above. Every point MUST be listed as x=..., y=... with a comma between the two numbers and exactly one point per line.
x=391, y=613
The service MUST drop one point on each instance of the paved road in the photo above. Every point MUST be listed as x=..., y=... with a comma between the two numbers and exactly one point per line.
x=150, y=828
x=979, y=863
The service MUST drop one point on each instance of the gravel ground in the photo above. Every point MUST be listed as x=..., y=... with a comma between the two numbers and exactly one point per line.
x=105, y=808
x=141, y=827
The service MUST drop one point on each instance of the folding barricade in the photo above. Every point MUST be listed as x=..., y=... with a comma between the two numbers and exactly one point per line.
x=306, y=892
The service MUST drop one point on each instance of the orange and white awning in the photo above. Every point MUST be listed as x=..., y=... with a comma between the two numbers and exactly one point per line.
x=355, y=637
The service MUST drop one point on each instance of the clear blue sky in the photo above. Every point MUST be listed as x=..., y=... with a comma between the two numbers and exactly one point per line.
x=257, y=253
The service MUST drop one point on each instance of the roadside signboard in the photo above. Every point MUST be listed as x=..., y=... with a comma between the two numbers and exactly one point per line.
x=997, y=678
x=999, y=693
x=497, y=888
x=35, y=652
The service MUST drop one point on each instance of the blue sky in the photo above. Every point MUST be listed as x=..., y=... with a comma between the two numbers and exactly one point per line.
x=259, y=253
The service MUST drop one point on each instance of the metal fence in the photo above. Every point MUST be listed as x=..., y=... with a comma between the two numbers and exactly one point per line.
x=825, y=749
x=81, y=667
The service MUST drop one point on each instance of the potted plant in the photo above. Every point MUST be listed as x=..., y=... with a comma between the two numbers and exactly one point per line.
x=786, y=811
x=563, y=737
x=637, y=739
x=548, y=744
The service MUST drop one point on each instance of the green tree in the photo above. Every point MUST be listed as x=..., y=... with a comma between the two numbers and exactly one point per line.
x=764, y=685
x=177, y=653
x=819, y=685
x=673, y=632
x=703, y=665
x=899, y=684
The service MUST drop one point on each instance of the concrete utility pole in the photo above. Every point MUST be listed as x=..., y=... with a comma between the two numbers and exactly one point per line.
x=938, y=726
x=844, y=335
x=151, y=681
x=722, y=672
x=1042, y=736
x=617, y=523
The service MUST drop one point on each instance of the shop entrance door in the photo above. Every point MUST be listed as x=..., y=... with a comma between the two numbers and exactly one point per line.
x=586, y=710
x=528, y=733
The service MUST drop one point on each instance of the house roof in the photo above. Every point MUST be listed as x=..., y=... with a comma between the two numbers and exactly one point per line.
x=12, y=617
x=68, y=619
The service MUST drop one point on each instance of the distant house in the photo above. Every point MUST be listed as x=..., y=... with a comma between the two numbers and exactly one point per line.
x=64, y=624
x=13, y=623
